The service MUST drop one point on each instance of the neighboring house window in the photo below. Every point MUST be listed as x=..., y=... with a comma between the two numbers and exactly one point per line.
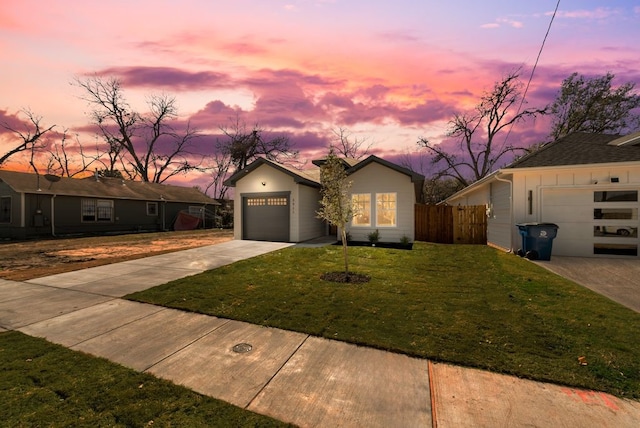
x=152, y=208
x=362, y=209
x=196, y=211
x=5, y=209
x=386, y=209
x=97, y=210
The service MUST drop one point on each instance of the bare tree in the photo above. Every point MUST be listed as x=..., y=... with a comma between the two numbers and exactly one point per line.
x=477, y=133
x=346, y=145
x=29, y=136
x=219, y=170
x=147, y=145
x=71, y=162
x=244, y=146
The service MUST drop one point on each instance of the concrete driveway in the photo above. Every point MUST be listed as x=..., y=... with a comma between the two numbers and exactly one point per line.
x=617, y=279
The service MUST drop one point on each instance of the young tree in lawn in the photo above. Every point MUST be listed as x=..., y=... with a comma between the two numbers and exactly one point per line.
x=593, y=105
x=477, y=132
x=336, y=206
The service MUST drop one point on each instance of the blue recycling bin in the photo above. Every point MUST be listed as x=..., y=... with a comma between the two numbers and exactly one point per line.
x=537, y=240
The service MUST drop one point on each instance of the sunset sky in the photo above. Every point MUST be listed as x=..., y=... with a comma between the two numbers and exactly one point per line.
x=388, y=71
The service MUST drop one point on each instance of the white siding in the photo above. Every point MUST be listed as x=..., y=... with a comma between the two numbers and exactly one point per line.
x=275, y=181
x=572, y=211
x=306, y=206
x=375, y=178
x=500, y=225
x=303, y=202
x=565, y=196
x=558, y=195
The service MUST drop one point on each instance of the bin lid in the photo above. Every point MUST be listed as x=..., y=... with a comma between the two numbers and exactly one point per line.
x=534, y=224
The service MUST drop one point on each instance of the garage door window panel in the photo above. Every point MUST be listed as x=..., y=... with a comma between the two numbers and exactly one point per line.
x=616, y=222
x=615, y=196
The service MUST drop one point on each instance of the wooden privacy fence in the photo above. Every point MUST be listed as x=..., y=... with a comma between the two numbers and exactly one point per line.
x=451, y=224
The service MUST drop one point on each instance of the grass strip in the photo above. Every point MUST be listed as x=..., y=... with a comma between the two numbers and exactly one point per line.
x=43, y=384
x=468, y=305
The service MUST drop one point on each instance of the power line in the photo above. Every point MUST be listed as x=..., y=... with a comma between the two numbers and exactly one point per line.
x=526, y=89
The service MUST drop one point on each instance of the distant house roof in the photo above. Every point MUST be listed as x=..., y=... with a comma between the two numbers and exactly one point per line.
x=311, y=177
x=580, y=149
x=103, y=187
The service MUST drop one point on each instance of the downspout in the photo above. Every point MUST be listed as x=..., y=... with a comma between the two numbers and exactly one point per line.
x=164, y=211
x=53, y=216
x=511, y=216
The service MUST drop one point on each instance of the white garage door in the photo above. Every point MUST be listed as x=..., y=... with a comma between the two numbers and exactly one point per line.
x=265, y=217
x=593, y=222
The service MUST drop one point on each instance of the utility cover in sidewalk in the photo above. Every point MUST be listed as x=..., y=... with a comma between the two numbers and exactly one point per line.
x=242, y=348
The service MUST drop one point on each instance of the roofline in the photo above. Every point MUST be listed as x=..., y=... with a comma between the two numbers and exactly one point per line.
x=574, y=166
x=160, y=199
x=231, y=181
x=415, y=177
x=52, y=192
x=472, y=186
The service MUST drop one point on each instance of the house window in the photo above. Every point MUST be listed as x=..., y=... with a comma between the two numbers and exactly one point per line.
x=196, y=211
x=386, y=209
x=97, y=210
x=5, y=209
x=362, y=209
x=152, y=208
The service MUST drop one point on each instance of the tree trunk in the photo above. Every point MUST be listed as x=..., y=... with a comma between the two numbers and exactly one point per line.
x=343, y=234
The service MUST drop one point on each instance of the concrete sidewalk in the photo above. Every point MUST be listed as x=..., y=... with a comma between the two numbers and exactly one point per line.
x=294, y=377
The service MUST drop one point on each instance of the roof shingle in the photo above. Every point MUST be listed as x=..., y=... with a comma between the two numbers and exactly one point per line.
x=579, y=149
x=104, y=187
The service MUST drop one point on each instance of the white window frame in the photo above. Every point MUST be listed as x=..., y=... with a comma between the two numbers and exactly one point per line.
x=381, y=208
x=360, y=210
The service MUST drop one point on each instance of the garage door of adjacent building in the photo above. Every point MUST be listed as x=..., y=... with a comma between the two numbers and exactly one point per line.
x=265, y=217
x=593, y=222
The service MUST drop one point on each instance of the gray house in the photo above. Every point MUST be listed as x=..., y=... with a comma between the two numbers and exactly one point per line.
x=33, y=205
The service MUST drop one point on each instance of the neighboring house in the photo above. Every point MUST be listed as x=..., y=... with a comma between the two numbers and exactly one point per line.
x=34, y=205
x=587, y=184
x=274, y=202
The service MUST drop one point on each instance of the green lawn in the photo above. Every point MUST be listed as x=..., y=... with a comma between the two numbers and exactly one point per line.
x=42, y=384
x=469, y=305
